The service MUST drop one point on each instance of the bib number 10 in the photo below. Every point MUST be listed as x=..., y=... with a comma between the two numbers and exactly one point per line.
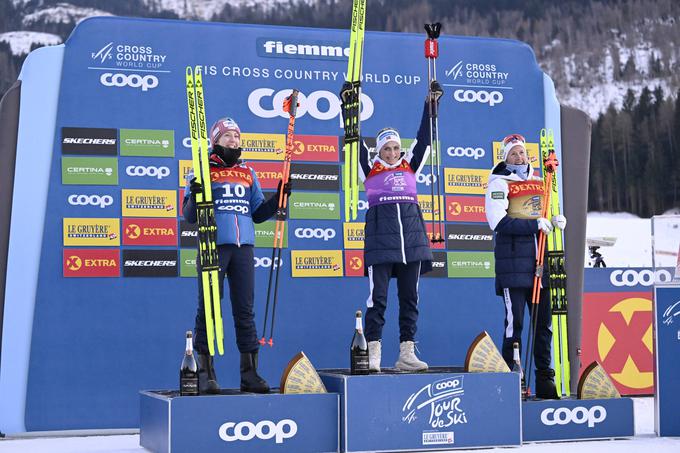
x=236, y=190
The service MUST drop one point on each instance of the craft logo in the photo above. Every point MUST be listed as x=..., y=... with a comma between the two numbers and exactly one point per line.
x=470, y=264
x=302, y=49
x=91, y=263
x=353, y=235
x=425, y=202
x=89, y=171
x=185, y=168
x=89, y=140
x=316, y=148
x=478, y=74
x=315, y=176
x=264, y=234
x=187, y=260
x=441, y=404
x=149, y=203
x=620, y=326
x=147, y=142
x=91, y=231
x=149, y=263
x=354, y=263
x=188, y=234
x=128, y=56
x=262, y=146
x=325, y=206
x=269, y=174
x=465, y=209
x=532, y=154
x=440, y=231
x=149, y=231
x=439, y=266
x=465, y=180
x=317, y=263
x=469, y=237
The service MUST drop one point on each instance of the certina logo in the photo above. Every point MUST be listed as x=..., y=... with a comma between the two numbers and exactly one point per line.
x=264, y=430
x=129, y=56
x=94, y=200
x=267, y=262
x=88, y=141
x=644, y=277
x=315, y=233
x=139, y=170
x=459, y=151
x=314, y=205
x=482, y=96
x=150, y=263
x=321, y=105
x=478, y=73
x=270, y=47
x=108, y=171
x=578, y=415
x=145, y=82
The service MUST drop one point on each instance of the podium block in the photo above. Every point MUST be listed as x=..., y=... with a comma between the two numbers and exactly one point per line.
x=441, y=409
x=572, y=419
x=237, y=422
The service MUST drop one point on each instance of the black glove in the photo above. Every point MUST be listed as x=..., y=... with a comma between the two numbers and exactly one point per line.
x=436, y=91
x=195, y=187
x=286, y=189
x=346, y=93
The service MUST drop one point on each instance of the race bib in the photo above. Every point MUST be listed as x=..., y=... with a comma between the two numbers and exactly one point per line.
x=391, y=185
x=525, y=199
x=231, y=189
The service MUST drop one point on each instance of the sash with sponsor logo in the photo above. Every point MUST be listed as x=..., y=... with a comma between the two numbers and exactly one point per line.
x=231, y=189
x=391, y=185
x=525, y=199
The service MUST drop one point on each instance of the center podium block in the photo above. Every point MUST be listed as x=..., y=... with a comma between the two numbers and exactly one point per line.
x=440, y=409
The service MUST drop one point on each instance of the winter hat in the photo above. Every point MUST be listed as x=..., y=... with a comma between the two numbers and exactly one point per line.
x=386, y=135
x=511, y=141
x=221, y=127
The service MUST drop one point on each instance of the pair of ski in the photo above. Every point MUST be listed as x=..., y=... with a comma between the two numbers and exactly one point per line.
x=205, y=212
x=557, y=278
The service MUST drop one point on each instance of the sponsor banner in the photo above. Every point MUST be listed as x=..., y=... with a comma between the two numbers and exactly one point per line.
x=315, y=206
x=667, y=340
x=425, y=202
x=469, y=237
x=315, y=177
x=187, y=262
x=149, y=231
x=91, y=263
x=353, y=235
x=90, y=200
x=429, y=227
x=264, y=234
x=465, y=180
x=148, y=203
x=532, y=154
x=316, y=148
x=147, y=142
x=188, y=234
x=89, y=170
x=460, y=208
x=618, y=325
x=262, y=146
x=149, y=263
x=91, y=231
x=185, y=166
x=354, y=263
x=439, y=266
x=180, y=202
x=470, y=264
x=89, y=141
x=269, y=174
x=316, y=263
x=627, y=279
x=315, y=234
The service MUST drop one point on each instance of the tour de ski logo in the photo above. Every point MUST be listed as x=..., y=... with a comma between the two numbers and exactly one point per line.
x=440, y=403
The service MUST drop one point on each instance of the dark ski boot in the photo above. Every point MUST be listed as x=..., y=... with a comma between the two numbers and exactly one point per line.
x=250, y=380
x=545, y=384
x=207, y=381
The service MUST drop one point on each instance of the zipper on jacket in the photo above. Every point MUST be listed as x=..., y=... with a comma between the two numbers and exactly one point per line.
x=401, y=235
x=238, y=232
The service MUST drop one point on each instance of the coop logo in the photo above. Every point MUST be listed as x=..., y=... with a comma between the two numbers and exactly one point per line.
x=440, y=401
x=459, y=151
x=145, y=82
x=578, y=415
x=264, y=430
x=267, y=262
x=90, y=200
x=426, y=179
x=315, y=233
x=321, y=105
x=670, y=313
x=644, y=277
x=482, y=96
x=154, y=172
x=128, y=56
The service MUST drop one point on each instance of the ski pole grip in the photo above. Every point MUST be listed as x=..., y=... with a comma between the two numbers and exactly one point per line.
x=431, y=48
x=290, y=104
x=433, y=30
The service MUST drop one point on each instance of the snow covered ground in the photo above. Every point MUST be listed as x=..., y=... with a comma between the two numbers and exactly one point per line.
x=644, y=440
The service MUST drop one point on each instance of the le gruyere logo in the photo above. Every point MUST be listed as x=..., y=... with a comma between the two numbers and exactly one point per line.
x=317, y=263
x=466, y=180
x=425, y=202
x=353, y=234
x=262, y=146
x=149, y=203
x=91, y=231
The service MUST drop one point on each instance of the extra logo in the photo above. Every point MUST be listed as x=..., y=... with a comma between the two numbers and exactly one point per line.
x=90, y=200
x=439, y=401
x=91, y=263
x=481, y=96
x=143, y=82
x=315, y=233
x=469, y=152
x=577, y=415
x=354, y=263
x=154, y=172
x=264, y=430
x=644, y=277
x=460, y=208
x=319, y=148
x=149, y=232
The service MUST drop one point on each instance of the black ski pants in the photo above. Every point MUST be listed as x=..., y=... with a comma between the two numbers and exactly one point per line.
x=407, y=287
x=515, y=300
x=239, y=266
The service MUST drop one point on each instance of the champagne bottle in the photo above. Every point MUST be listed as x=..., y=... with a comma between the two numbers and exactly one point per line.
x=359, y=349
x=188, y=372
x=517, y=367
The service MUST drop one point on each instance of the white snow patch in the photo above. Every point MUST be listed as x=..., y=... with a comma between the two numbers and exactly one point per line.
x=205, y=10
x=61, y=13
x=633, y=247
x=21, y=42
